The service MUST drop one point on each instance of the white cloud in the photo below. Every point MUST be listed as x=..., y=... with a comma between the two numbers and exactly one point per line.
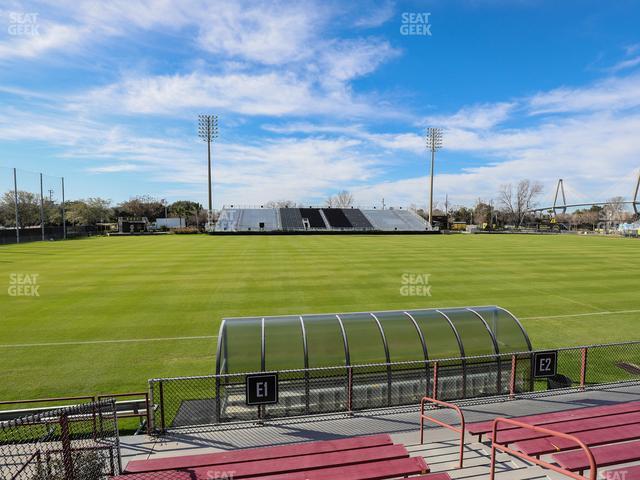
x=49, y=37
x=625, y=64
x=411, y=142
x=375, y=15
x=262, y=32
x=348, y=59
x=274, y=94
x=118, y=168
x=482, y=116
x=613, y=93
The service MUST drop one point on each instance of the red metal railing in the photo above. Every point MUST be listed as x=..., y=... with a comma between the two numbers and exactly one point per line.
x=459, y=430
x=495, y=445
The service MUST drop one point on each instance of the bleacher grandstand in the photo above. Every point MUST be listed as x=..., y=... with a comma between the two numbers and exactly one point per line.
x=312, y=218
x=238, y=219
x=580, y=435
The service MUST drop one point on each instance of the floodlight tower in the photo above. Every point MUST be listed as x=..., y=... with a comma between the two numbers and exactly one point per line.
x=208, y=131
x=434, y=142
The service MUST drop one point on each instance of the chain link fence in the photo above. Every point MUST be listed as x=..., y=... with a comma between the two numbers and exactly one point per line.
x=31, y=206
x=72, y=443
x=220, y=399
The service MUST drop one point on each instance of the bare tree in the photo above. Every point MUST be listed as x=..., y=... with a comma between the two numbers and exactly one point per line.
x=343, y=199
x=614, y=209
x=517, y=202
x=280, y=204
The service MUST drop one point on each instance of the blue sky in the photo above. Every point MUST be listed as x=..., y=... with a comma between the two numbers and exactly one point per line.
x=315, y=97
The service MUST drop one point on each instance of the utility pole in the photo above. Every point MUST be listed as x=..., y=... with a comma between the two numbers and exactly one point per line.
x=64, y=222
x=446, y=209
x=434, y=142
x=41, y=209
x=208, y=131
x=15, y=201
x=635, y=196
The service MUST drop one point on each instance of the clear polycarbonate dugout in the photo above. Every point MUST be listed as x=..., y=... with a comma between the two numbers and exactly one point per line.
x=391, y=354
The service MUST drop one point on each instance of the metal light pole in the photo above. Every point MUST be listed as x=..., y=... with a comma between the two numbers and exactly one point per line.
x=434, y=142
x=15, y=201
x=208, y=131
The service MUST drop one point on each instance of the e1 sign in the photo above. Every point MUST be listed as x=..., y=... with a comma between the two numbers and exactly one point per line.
x=262, y=389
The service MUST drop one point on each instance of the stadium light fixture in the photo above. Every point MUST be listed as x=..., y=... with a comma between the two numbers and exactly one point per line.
x=208, y=132
x=434, y=142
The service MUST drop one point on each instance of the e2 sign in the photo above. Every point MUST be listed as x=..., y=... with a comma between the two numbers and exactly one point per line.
x=262, y=389
x=545, y=364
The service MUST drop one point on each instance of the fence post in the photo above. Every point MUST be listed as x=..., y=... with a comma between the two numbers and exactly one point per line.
x=435, y=380
x=65, y=439
x=583, y=368
x=93, y=416
x=162, y=424
x=148, y=407
x=512, y=379
x=152, y=410
x=350, y=389
x=116, y=433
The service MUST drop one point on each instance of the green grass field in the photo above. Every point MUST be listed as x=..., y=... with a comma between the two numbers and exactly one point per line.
x=103, y=301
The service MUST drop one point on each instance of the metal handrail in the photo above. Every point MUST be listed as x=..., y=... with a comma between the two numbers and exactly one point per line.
x=48, y=400
x=460, y=430
x=495, y=445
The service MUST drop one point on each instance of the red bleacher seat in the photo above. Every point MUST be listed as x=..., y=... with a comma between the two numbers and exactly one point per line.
x=253, y=454
x=433, y=476
x=568, y=426
x=480, y=428
x=367, y=471
x=289, y=464
x=601, y=436
x=376, y=470
x=605, y=456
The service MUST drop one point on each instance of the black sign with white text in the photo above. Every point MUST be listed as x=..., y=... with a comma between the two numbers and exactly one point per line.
x=545, y=364
x=262, y=389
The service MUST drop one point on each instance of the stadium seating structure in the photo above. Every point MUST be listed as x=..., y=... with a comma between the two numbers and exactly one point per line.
x=293, y=219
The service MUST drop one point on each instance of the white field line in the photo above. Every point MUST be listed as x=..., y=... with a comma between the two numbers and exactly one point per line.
x=590, y=314
x=205, y=337
x=98, y=342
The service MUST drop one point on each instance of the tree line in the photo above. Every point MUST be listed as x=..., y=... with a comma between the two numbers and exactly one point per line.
x=93, y=210
x=513, y=206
